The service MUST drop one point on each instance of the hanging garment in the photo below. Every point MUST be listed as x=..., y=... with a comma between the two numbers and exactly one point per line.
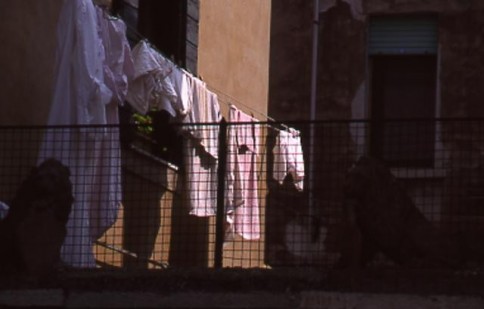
x=242, y=200
x=201, y=180
x=181, y=81
x=201, y=150
x=150, y=81
x=106, y=168
x=288, y=158
x=118, y=66
x=83, y=95
x=205, y=108
x=80, y=94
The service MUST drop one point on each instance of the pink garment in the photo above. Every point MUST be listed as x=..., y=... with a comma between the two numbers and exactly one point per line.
x=242, y=198
x=288, y=158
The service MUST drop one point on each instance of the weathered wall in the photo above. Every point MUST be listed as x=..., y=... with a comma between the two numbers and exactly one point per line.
x=342, y=56
x=290, y=59
x=234, y=51
x=342, y=84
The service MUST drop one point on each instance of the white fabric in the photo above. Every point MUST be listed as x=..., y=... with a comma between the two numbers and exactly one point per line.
x=201, y=180
x=81, y=96
x=118, y=65
x=210, y=136
x=80, y=57
x=118, y=72
x=150, y=82
x=288, y=158
x=182, y=86
x=201, y=148
x=204, y=109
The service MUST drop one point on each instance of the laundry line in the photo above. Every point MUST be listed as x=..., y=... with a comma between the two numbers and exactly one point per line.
x=219, y=92
x=141, y=37
x=268, y=118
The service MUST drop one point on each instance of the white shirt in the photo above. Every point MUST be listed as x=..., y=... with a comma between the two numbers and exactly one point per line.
x=150, y=82
x=288, y=158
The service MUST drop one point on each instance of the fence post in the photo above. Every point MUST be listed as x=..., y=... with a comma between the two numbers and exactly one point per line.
x=220, y=218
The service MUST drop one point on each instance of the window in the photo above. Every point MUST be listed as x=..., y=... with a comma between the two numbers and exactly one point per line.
x=403, y=87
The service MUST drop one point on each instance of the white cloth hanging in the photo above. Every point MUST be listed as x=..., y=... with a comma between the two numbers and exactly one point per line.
x=288, y=158
x=150, y=81
x=242, y=200
x=118, y=72
x=201, y=149
x=158, y=84
x=204, y=108
x=88, y=86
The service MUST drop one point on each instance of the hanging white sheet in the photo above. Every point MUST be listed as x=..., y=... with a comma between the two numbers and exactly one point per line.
x=242, y=199
x=201, y=149
x=86, y=92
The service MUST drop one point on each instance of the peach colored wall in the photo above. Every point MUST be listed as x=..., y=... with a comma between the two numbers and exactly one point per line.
x=233, y=54
x=28, y=32
x=28, y=35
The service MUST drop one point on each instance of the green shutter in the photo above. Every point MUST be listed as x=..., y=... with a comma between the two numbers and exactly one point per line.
x=402, y=35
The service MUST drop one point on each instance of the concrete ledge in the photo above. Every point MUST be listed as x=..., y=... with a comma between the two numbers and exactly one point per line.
x=180, y=300
x=32, y=298
x=304, y=300
x=388, y=301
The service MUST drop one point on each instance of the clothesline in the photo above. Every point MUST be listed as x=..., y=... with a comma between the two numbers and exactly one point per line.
x=218, y=91
x=286, y=127
x=143, y=38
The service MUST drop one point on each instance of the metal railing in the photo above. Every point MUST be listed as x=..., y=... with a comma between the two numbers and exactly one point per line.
x=218, y=203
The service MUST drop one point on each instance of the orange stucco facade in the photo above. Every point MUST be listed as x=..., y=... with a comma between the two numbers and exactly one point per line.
x=233, y=55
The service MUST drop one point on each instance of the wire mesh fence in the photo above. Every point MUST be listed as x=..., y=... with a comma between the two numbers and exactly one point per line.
x=255, y=195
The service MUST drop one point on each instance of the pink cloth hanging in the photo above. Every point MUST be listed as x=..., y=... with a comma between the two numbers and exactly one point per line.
x=242, y=197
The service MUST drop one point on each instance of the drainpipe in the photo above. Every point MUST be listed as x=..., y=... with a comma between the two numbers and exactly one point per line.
x=312, y=115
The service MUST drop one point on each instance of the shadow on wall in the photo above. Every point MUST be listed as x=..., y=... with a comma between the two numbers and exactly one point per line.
x=33, y=231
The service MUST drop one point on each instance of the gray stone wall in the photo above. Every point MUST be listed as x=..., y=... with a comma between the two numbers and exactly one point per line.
x=342, y=86
x=343, y=60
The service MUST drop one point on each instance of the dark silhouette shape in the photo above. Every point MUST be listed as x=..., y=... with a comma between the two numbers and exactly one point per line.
x=32, y=233
x=381, y=217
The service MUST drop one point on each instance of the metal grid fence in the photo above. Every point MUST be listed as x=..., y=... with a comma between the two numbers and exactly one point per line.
x=211, y=195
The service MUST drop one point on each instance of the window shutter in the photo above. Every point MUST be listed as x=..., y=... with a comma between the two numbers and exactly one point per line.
x=402, y=35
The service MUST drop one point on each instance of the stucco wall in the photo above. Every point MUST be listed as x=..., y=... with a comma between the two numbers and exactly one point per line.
x=234, y=51
x=28, y=32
